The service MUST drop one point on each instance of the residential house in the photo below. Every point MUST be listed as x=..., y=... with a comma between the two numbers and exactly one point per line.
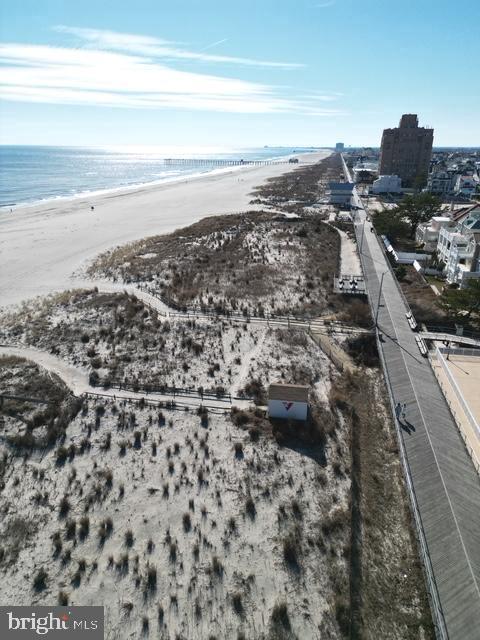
x=427, y=233
x=459, y=249
x=386, y=184
x=441, y=182
x=465, y=186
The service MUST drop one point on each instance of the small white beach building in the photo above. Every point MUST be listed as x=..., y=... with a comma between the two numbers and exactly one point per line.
x=288, y=401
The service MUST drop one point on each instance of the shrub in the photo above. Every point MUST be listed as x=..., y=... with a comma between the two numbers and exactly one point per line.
x=96, y=363
x=279, y=617
x=105, y=529
x=296, y=509
x=106, y=444
x=64, y=507
x=187, y=522
x=217, y=567
x=61, y=455
x=291, y=550
x=40, y=580
x=363, y=350
x=250, y=508
x=70, y=529
x=152, y=578
x=239, y=418
x=254, y=433
x=238, y=450
x=129, y=538
x=237, y=603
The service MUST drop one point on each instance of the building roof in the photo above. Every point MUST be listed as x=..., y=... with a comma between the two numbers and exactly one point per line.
x=289, y=392
x=472, y=223
x=341, y=186
x=459, y=214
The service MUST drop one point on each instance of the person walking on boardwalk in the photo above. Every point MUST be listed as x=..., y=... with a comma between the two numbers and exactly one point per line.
x=398, y=410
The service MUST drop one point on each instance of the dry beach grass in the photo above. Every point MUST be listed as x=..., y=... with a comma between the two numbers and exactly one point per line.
x=194, y=525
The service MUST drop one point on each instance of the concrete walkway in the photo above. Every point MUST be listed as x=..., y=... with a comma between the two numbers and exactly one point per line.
x=440, y=473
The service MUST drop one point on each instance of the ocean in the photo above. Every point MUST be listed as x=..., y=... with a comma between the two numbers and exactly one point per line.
x=31, y=174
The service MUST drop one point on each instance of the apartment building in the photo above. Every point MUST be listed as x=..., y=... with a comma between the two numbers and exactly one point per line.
x=406, y=151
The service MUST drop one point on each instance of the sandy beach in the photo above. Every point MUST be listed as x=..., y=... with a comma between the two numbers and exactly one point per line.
x=41, y=246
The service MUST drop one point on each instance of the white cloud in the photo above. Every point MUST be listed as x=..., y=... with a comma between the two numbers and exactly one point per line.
x=158, y=48
x=324, y=5
x=62, y=75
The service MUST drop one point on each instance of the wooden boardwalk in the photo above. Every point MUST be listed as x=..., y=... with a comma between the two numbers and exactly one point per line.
x=442, y=478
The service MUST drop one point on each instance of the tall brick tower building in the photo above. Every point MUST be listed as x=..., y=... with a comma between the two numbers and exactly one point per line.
x=406, y=151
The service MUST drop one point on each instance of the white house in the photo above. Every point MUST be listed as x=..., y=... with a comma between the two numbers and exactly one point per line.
x=441, y=181
x=459, y=248
x=288, y=401
x=365, y=171
x=386, y=184
x=427, y=233
x=465, y=186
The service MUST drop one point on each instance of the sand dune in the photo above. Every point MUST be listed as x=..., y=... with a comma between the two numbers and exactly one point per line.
x=42, y=245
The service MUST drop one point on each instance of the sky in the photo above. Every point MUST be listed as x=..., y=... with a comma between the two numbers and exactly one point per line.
x=230, y=73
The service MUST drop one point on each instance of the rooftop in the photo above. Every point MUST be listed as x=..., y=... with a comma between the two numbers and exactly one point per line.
x=341, y=186
x=289, y=392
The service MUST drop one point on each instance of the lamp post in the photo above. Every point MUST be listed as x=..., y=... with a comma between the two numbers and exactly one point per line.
x=378, y=301
x=363, y=233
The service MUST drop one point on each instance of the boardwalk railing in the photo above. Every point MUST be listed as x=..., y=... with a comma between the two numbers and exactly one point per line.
x=156, y=402
x=267, y=318
x=175, y=392
x=453, y=332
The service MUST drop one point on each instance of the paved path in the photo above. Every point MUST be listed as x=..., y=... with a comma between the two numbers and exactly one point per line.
x=445, y=483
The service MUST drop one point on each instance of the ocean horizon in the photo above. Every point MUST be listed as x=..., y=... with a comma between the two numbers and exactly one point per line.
x=35, y=174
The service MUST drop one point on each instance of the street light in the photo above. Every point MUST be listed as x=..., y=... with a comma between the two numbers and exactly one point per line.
x=363, y=232
x=378, y=301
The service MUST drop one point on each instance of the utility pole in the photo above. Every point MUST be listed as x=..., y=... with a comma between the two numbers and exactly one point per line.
x=378, y=301
x=363, y=233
